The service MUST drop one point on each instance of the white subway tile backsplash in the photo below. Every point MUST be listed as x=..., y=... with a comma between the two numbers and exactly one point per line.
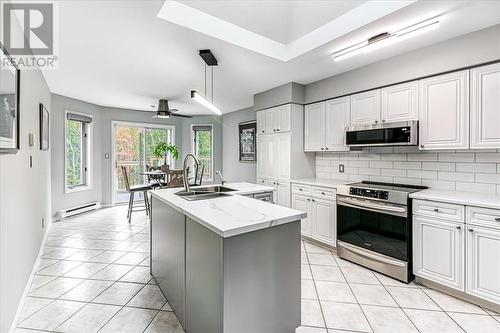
x=476, y=187
x=477, y=171
x=456, y=157
x=422, y=157
x=422, y=174
x=488, y=157
x=438, y=166
x=456, y=176
x=477, y=167
x=408, y=165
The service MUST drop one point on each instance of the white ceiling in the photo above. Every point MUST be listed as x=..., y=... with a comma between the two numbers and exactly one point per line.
x=120, y=54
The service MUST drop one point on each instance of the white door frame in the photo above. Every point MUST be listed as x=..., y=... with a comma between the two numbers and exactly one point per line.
x=114, y=123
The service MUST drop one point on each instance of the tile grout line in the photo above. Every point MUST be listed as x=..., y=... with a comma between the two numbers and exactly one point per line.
x=314, y=283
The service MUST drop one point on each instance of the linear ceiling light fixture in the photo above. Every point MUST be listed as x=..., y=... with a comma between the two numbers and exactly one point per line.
x=211, y=61
x=387, y=38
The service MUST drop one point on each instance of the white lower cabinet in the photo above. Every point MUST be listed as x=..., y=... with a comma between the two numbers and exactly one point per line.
x=483, y=263
x=282, y=194
x=303, y=203
x=324, y=226
x=321, y=221
x=438, y=251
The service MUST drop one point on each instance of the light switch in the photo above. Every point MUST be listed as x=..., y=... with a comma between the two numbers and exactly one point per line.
x=341, y=168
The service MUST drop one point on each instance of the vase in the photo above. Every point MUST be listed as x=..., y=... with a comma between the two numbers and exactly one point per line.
x=165, y=168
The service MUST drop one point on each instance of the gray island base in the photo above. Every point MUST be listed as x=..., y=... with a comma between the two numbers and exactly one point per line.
x=246, y=282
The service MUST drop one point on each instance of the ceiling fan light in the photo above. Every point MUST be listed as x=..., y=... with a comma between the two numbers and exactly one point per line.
x=205, y=102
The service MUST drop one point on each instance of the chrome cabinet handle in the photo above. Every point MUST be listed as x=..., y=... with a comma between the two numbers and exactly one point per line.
x=421, y=146
x=383, y=120
x=459, y=227
x=436, y=210
x=313, y=200
x=277, y=130
x=470, y=230
x=497, y=219
x=274, y=130
x=322, y=148
x=308, y=199
x=323, y=193
x=326, y=148
x=277, y=183
x=376, y=121
x=300, y=189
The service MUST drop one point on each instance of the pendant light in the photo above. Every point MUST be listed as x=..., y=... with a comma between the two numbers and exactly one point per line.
x=210, y=61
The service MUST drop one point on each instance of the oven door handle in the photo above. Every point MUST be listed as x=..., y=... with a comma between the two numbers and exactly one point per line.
x=386, y=208
x=368, y=254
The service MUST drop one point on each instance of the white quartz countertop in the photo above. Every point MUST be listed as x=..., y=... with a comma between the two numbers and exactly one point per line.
x=233, y=214
x=333, y=183
x=461, y=198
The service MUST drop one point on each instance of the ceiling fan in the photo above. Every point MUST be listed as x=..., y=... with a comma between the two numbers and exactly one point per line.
x=165, y=112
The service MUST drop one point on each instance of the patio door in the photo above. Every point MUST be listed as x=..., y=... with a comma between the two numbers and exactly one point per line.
x=133, y=148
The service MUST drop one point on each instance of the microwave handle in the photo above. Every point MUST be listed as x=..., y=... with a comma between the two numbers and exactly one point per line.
x=387, y=208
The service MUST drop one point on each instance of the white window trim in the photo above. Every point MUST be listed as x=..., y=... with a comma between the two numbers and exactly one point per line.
x=90, y=151
x=212, y=155
x=114, y=123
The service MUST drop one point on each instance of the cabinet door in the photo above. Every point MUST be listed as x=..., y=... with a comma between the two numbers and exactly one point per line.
x=365, y=108
x=438, y=251
x=400, y=102
x=283, y=118
x=270, y=156
x=283, y=194
x=261, y=156
x=314, y=127
x=303, y=203
x=444, y=111
x=485, y=103
x=282, y=147
x=270, y=120
x=323, y=221
x=337, y=113
x=483, y=272
x=261, y=122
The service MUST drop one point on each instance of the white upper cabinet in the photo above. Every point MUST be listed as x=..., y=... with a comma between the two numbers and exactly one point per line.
x=485, y=107
x=270, y=153
x=400, y=102
x=261, y=156
x=365, y=108
x=261, y=122
x=270, y=120
x=444, y=111
x=483, y=251
x=283, y=118
x=447, y=239
x=314, y=136
x=337, y=113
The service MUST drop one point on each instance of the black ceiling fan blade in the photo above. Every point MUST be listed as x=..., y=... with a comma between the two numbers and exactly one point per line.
x=180, y=115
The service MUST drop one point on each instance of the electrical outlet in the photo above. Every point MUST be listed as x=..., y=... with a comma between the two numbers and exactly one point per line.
x=43, y=223
x=341, y=168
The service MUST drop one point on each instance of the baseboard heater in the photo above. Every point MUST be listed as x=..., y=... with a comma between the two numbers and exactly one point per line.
x=62, y=214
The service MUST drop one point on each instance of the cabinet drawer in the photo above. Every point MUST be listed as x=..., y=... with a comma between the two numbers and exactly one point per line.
x=300, y=188
x=441, y=210
x=323, y=192
x=484, y=216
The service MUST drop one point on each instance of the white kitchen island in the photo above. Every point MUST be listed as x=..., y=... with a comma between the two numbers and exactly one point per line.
x=227, y=264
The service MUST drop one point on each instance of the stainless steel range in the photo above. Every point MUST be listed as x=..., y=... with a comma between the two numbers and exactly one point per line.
x=374, y=226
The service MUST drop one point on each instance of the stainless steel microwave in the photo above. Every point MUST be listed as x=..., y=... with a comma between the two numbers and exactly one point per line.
x=390, y=134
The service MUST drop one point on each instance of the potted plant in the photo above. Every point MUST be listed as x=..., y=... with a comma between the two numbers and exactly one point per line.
x=162, y=150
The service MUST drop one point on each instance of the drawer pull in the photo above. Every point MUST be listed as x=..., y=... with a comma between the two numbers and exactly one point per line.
x=323, y=193
x=301, y=189
x=308, y=199
x=470, y=230
x=436, y=210
x=313, y=200
x=497, y=219
x=459, y=227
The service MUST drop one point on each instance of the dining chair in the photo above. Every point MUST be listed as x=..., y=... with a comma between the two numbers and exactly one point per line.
x=155, y=180
x=133, y=190
x=176, y=178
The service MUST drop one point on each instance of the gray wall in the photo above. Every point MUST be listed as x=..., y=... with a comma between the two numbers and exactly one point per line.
x=187, y=143
x=24, y=200
x=234, y=170
x=475, y=48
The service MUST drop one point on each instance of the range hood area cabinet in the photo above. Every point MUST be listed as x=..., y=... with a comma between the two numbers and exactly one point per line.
x=457, y=110
x=280, y=150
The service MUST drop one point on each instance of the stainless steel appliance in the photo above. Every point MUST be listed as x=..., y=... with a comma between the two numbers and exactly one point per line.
x=374, y=226
x=391, y=134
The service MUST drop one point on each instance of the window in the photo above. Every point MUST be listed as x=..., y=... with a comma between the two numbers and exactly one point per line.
x=77, y=151
x=203, y=148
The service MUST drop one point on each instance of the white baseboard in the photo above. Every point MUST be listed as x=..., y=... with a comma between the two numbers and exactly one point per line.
x=30, y=280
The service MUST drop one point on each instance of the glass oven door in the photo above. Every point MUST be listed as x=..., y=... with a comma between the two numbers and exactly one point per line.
x=376, y=226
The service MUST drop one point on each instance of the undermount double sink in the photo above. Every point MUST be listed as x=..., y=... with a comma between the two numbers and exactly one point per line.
x=204, y=193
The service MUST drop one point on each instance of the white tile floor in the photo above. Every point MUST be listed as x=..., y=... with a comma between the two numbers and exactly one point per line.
x=94, y=276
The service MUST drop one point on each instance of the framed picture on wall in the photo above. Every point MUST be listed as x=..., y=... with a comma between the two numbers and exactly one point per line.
x=248, y=144
x=9, y=104
x=44, y=128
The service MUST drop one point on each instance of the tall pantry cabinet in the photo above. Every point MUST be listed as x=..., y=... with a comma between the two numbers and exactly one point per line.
x=280, y=150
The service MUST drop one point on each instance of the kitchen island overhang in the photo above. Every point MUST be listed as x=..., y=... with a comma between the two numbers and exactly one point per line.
x=228, y=264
